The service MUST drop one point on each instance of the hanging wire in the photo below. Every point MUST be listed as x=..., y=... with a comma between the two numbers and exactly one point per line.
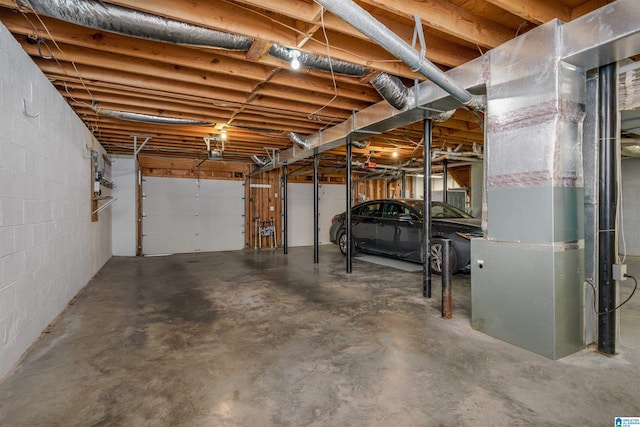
x=302, y=33
x=333, y=77
x=55, y=43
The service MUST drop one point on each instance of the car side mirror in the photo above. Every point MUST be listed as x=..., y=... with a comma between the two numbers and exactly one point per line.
x=405, y=218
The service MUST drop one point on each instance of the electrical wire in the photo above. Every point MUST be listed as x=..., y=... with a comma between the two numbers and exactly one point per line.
x=619, y=205
x=595, y=309
x=302, y=33
x=55, y=43
x=620, y=339
x=333, y=76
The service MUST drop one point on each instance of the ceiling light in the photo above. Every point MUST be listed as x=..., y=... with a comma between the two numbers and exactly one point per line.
x=295, y=63
x=394, y=154
x=223, y=134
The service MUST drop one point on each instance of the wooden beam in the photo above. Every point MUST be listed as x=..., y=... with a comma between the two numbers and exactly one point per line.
x=587, y=7
x=258, y=49
x=218, y=15
x=224, y=16
x=98, y=41
x=536, y=11
x=217, y=95
x=449, y=18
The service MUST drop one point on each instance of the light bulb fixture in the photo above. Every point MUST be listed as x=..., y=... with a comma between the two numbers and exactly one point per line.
x=394, y=154
x=295, y=62
x=223, y=134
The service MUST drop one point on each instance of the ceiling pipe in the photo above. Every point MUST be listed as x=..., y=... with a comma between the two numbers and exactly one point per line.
x=456, y=154
x=147, y=118
x=129, y=22
x=260, y=161
x=299, y=140
x=360, y=144
x=307, y=145
x=361, y=20
x=443, y=117
x=320, y=63
x=391, y=89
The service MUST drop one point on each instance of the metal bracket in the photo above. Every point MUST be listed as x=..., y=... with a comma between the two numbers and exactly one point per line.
x=273, y=154
x=136, y=149
x=218, y=145
x=24, y=110
x=416, y=94
x=103, y=207
x=418, y=33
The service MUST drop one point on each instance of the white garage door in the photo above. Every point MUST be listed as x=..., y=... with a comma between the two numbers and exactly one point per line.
x=187, y=215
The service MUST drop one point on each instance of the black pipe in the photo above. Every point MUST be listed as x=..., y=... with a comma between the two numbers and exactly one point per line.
x=447, y=304
x=348, y=211
x=285, y=203
x=316, y=212
x=445, y=181
x=426, y=220
x=607, y=185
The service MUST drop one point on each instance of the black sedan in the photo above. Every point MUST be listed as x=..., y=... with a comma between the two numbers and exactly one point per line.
x=393, y=227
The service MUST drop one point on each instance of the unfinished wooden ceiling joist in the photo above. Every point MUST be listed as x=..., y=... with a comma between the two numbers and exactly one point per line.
x=255, y=96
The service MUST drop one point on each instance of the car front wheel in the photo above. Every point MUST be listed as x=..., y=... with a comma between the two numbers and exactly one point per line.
x=437, y=247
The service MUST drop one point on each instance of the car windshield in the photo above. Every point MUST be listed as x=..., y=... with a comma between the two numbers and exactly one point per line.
x=440, y=210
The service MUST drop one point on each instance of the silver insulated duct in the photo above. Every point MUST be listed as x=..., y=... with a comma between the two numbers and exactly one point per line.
x=321, y=63
x=391, y=89
x=297, y=139
x=146, y=118
x=129, y=22
x=260, y=161
x=360, y=144
x=362, y=21
x=304, y=142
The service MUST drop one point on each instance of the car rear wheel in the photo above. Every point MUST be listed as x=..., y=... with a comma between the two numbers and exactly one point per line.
x=342, y=243
x=437, y=247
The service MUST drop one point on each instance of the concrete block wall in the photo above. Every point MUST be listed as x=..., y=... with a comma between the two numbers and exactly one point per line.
x=49, y=248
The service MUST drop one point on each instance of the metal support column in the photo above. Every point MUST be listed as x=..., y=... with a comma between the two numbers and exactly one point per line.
x=426, y=220
x=316, y=211
x=445, y=180
x=447, y=302
x=607, y=208
x=285, y=208
x=348, y=198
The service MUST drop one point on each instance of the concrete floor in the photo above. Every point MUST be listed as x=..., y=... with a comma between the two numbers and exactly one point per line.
x=256, y=339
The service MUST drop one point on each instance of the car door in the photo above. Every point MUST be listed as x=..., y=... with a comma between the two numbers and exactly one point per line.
x=397, y=235
x=364, y=223
x=387, y=228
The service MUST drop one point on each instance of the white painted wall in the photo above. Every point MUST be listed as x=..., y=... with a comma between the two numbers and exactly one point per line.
x=332, y=200
x=630, y=207
x=49, y=248
x=436, y=186
x=123, y=210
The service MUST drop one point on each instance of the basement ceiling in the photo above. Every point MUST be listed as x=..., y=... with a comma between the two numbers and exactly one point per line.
x=254, y=96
